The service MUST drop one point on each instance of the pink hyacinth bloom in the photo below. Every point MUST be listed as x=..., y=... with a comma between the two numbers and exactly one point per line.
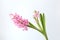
x=21, y=23
x=36, y=15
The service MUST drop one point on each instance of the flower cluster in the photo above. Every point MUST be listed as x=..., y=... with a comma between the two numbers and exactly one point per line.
x=19, y=21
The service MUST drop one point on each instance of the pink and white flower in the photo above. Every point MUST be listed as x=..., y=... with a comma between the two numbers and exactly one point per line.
x=36, y=15
x=19, y=21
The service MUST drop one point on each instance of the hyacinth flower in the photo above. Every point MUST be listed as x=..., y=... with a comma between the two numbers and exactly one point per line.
x=21, y=23
x=24, y=23
x=40, y=20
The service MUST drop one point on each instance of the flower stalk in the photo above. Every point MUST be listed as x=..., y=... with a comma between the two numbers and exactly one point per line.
x=42, y=29
x=24, y=23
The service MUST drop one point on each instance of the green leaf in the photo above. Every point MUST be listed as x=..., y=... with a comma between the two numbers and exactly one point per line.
x=42, y=19
x=38, y=24
x=32, y=26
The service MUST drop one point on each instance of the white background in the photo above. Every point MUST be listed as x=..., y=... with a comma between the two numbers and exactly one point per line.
x=25, y=8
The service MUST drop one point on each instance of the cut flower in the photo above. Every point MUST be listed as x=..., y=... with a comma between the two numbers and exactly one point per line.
x=19, y=21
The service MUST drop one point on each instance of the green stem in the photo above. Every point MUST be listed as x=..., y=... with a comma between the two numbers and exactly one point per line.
x=32, y=26
x=38, y=24
x=45, y=36
x=42, y=32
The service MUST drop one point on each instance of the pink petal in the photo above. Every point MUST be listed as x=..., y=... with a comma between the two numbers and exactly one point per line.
x=21, y=23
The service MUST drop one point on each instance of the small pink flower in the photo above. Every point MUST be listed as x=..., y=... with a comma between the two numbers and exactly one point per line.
x=21, y=23
x=36, y=15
